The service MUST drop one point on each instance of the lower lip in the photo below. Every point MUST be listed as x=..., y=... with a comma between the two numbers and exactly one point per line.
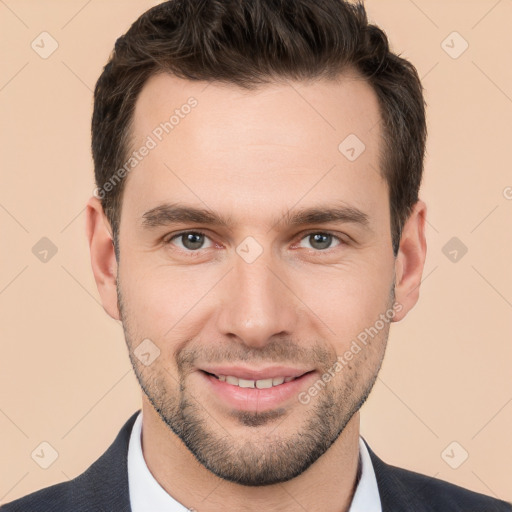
x=254, y=399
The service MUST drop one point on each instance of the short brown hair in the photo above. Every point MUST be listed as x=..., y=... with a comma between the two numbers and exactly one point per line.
x=250, y=43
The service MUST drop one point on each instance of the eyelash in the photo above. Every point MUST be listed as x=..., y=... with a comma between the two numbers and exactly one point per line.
x=190, y=253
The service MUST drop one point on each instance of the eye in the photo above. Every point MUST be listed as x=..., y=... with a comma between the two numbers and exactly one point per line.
x=191, y=241
x=322, y=240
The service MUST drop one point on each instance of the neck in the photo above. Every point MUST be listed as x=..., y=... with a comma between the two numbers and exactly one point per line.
x=328, y=485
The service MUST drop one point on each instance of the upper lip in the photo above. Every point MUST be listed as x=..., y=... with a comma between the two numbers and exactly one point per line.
x=255, y=374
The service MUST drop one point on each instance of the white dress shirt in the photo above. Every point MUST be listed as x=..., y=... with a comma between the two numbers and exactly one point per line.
x=147, y=495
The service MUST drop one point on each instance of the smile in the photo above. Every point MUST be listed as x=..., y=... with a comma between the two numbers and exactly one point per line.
x=252, y=392
x=260, y=384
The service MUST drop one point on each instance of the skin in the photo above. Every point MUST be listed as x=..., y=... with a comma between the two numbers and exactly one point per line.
x=256, y=155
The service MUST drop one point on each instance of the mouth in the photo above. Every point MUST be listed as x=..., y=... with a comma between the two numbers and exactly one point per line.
x=253, y=383
x=257, y=390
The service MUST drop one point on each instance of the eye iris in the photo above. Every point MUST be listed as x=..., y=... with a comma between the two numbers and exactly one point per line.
x=192, y=240
x=323, y=238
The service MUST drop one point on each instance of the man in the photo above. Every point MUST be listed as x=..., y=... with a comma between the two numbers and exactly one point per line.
x=258, y=166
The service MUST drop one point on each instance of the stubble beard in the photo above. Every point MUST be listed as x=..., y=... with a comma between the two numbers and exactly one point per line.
x=267, y=454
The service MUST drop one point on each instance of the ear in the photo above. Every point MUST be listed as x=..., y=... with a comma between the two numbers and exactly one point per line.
x=410, y=260
x=103, y=258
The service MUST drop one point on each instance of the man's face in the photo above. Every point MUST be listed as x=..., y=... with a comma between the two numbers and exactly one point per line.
x=259, y=298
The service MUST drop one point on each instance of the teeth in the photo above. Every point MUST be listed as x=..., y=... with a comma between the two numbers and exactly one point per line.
x=243, y=383
x=260, y=384
x=264, y=383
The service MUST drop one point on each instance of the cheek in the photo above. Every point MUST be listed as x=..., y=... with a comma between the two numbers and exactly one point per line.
x=161, y=301
x=167, y=301
x=347, y=300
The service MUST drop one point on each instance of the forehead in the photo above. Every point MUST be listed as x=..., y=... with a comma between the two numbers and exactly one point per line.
x=273, y=113
x=225, y=146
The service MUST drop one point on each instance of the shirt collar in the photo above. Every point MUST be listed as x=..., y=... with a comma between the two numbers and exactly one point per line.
x=147, y=495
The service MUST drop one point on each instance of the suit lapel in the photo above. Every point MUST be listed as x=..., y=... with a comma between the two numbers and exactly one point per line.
x=394, y=495
x=104, y=486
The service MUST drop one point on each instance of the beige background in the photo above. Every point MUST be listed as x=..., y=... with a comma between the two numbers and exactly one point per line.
x=65, y=373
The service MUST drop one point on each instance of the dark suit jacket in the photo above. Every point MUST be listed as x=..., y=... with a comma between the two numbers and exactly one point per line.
x=103, y=487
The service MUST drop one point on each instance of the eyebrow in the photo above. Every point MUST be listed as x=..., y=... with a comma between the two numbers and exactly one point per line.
x=173, y=213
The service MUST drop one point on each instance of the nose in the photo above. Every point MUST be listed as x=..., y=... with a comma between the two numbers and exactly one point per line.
x=257, y=303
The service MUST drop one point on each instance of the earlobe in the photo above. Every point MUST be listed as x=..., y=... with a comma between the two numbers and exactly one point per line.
x=103, y=260
x=410, y=260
